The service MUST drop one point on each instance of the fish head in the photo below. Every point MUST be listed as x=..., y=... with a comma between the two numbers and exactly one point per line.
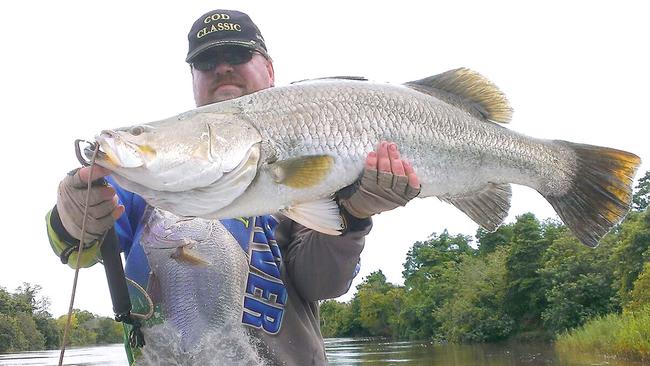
x=185, y=152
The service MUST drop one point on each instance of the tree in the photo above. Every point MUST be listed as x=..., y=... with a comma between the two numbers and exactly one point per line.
x=632, y=251
x=34, y=340
x=476, y=312
x=335, y=319
x=430, y=273
x=640, y=295
x=641, y=196
x=525, y=298
x=379, y=305
x=11, y=337
x=48, y=328
x=578, y=282
x=29, y=296
x=490, y=241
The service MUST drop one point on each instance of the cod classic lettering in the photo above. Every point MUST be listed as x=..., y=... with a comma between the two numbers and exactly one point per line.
x=216, y=16
x=217, y=27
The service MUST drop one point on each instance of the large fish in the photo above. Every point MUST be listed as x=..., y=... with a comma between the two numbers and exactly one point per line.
x=201, y=304
x=290, y=148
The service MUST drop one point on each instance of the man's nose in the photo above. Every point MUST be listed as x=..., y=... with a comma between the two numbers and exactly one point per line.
x=223, y=67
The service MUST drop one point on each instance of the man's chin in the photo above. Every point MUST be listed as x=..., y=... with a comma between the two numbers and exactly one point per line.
x=227, y=92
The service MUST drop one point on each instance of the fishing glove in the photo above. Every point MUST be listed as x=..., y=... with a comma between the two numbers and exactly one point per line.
x=70, y=205
x=376, y=192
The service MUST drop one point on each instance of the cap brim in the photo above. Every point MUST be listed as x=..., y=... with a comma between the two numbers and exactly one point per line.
x=208, y=46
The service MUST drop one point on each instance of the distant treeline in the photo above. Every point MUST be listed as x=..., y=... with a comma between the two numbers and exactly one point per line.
x=528, y=279
x=27, y=325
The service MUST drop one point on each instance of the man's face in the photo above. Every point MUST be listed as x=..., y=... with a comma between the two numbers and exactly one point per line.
x=226, y=72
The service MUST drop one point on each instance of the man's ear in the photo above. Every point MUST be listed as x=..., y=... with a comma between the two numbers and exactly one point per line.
x=269, y=69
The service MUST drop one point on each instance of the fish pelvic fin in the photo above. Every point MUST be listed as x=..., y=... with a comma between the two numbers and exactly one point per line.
x=189, y=256
x=468, y=90
x=301, y=172
x=601, y=192
x=322, y=215
x=487, y=207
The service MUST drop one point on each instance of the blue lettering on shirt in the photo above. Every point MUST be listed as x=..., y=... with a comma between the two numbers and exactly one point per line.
x=261, y=315
x=265, y=295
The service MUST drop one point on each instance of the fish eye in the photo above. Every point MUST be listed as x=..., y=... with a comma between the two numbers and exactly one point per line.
x=136, y=130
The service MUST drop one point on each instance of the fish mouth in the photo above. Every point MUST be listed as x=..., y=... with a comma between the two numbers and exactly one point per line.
x=114, y=152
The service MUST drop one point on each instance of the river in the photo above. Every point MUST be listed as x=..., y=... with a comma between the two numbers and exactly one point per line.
x=348, y=351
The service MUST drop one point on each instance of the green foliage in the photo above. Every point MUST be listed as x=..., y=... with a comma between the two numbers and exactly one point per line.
x=476, y=313
x=641, y=196
x=640, y=295
x=49, y=329
x=11, y=337
x=489, y=242
x=525, y=298
x=379, y=305
x=335, y=319
x=34, y=340
x=26, y=324
x=578, y=283
x=632, y=251
x=623, y=335
x=430, y=276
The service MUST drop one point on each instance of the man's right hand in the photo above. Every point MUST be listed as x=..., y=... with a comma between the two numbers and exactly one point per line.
x=103, y=207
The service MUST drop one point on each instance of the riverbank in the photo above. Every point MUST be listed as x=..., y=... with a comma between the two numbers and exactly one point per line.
x=624, y=335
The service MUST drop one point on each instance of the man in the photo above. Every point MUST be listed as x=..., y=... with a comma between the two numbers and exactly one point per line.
x=228, y=58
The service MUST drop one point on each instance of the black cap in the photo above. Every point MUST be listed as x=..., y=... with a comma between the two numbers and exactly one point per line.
x=224, y=27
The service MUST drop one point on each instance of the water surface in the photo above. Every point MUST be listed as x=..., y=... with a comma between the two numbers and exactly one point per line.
x=350, y=351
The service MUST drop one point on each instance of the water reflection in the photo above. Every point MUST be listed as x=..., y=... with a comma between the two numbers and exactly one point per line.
x=111, y=355
x=348, y=351
x=351, y=351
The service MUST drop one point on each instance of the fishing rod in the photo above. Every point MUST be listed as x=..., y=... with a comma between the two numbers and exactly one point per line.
x=110, y=252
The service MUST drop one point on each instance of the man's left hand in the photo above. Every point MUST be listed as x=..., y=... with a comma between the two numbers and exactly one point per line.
x=386, y=183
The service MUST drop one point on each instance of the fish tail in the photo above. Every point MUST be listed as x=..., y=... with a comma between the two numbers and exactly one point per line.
x=601, y=191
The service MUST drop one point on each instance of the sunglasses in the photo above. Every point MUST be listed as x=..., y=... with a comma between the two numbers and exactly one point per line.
x=230, y=55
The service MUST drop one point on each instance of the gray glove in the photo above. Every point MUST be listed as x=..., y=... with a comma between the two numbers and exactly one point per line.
x=70, y=205
x=376, y=192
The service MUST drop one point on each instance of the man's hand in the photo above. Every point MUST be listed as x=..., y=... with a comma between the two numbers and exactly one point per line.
x=103, y=208
x=387, y=182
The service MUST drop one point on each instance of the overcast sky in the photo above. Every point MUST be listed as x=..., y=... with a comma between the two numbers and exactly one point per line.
x=572, y=70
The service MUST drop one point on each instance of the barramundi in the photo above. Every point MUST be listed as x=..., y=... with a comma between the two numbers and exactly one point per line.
x=289, y=149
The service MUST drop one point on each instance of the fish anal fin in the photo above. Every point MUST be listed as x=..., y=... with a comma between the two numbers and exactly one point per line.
x=322, y=215
x=472, y=91
x=488, y=206
x=601, y=192
x=302, y=172
x=154, y=289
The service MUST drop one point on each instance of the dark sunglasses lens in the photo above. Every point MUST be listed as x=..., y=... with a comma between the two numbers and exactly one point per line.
x=232, y=56
x=204, y=65
x=238, y=56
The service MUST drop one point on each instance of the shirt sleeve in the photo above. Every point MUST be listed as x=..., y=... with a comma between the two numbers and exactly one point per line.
x=66, y=247
x=322, y=266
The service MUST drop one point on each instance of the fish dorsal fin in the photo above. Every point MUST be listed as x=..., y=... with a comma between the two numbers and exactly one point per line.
x=487, y=207
x=322, y=215
x=475, y=93
x=302, y=172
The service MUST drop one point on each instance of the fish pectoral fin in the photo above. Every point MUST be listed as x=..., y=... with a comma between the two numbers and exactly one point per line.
x=487, y=207
x=302, y=172
x=189, y=256
x=473, y=92
x=321, y=215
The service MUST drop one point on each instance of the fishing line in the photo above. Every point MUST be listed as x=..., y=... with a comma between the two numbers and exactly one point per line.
x=81, y=248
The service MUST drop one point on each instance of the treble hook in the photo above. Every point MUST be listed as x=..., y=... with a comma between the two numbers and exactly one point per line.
x=77, y=149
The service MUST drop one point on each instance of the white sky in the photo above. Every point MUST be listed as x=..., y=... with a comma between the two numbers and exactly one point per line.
x=574, y=70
